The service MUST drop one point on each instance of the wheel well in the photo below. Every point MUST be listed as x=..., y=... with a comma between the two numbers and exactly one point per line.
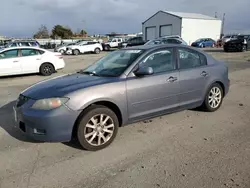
x=107, y=104
x=222, y=86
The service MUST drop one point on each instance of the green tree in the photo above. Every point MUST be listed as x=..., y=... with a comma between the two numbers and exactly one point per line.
x=83, y=32
x=61, y=32
x=42, y=33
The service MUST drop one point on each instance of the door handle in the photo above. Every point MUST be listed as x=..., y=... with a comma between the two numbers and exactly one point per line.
x=15, y=61
x=172, y=79
x=204, y=73
x=38, y=59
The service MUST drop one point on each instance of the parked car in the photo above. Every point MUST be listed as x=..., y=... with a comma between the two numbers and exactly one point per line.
x=133, y=41
x=125, y=86
x=63, y=48
x=23, y=60
x=166, y=41
x=22, y=43
x=83, y=47
x=204, y=42
x=112, y=43
x=240, y=44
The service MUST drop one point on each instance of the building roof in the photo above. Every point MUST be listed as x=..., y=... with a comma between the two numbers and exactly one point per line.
x=191, y=15
x=186, y=15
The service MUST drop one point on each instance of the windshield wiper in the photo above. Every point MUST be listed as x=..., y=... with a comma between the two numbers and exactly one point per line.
x=92, y=73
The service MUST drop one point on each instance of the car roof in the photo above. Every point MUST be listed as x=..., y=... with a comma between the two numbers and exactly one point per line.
x=160, y=46
x=23, y=47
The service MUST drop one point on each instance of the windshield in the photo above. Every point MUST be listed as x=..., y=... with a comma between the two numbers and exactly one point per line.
x=114, y=64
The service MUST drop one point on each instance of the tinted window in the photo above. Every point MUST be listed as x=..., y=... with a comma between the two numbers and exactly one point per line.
x=190, y=59
x=119, y=40
x=173, y=41
x=29, y=52
x=160, y=61
x=9, y=54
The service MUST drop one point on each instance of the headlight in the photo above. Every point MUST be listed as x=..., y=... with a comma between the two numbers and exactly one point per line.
x=49, y=104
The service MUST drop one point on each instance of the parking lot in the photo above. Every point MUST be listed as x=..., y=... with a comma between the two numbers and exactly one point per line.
x=185, y=149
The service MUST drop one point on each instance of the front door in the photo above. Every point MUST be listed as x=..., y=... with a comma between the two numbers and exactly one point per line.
x=155, y=93
x=194, y=76
x=10, y=63
x=30, y=60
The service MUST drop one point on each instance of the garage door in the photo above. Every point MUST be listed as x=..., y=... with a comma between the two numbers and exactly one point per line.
x=165, y=30
x=150, y=33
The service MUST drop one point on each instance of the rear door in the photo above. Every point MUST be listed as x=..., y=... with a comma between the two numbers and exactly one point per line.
x=10, y=62
x=30, y=59
x=194, y=76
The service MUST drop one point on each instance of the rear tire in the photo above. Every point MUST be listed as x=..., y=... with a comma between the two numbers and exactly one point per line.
x=214, y=98
x=76, y=52
x=47, y=69
x=97, y=128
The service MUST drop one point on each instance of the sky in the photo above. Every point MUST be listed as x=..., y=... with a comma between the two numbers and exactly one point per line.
x=22, y=18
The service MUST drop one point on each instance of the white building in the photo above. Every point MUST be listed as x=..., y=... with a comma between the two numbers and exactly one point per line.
x=189, y=26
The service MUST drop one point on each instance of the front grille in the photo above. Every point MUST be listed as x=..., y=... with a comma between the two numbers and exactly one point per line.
x=21, y=100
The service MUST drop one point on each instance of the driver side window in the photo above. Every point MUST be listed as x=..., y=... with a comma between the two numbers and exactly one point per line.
x=160, y=61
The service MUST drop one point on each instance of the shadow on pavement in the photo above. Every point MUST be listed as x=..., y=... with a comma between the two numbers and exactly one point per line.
x=7, y=122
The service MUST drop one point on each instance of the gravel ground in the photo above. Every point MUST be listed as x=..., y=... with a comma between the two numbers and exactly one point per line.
x=187, y=149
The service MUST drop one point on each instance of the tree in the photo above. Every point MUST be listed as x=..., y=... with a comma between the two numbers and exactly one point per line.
x=62, y=32
x=83, y=32
x=42, y=33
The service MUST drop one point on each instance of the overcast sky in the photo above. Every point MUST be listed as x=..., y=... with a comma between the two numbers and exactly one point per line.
x=21, y=18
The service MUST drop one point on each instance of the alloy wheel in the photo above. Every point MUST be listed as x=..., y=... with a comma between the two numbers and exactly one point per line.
x=99, y=130
x=214, y=97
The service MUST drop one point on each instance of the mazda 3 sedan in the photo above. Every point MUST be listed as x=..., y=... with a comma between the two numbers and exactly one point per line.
x=123, y=87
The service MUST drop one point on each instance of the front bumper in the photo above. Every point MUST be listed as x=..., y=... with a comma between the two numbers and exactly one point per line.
x=45, y=125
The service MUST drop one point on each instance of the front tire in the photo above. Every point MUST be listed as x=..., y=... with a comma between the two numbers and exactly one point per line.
x=97, y=50
x=47, y=69
x=76, y=52
x=97, y=128
x=214, y=98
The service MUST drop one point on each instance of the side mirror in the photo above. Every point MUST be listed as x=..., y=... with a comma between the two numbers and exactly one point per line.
x=143, y=71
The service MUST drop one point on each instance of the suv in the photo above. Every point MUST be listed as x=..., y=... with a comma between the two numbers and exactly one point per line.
x=166, y=41
x=83, y=47
x=22, y=43
x=134, y=41
x=241, y=44
x=112, y=43
x=227, y=38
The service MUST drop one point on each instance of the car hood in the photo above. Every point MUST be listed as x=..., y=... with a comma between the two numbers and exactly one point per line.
x=62, y=85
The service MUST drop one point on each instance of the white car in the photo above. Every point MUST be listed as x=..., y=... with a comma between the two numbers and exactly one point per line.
x=24, y=60
x=63, y=48
x=83, y=47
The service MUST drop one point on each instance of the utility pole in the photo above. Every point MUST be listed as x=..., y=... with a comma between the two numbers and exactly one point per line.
x=215, y=15
x=222, y=25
